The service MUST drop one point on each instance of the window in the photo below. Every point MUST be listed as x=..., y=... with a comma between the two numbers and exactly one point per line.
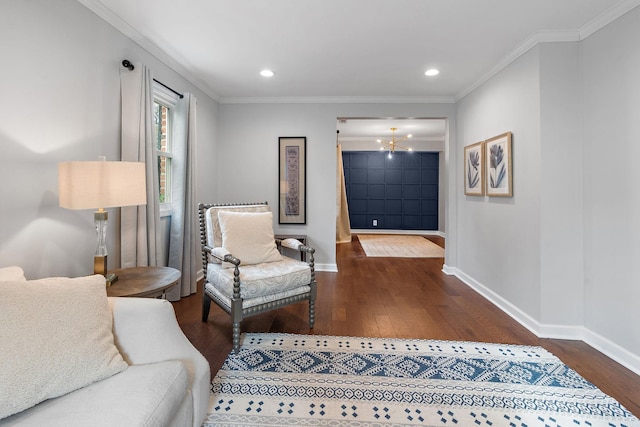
x=164, y=102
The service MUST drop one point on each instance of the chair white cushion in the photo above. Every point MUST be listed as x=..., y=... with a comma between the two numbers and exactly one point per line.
x=261, y=279
x=249, y=236
x=56, y=337
x=251, y=302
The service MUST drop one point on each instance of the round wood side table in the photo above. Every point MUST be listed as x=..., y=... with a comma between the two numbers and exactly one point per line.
x=149, y=282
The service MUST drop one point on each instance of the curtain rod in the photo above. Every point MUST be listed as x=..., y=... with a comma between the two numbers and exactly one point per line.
x=127, y=64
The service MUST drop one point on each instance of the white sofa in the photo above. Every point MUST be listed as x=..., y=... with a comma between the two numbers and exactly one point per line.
x=166, y=382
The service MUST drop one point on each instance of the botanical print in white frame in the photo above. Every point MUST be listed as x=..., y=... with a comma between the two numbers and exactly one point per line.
x=473, y=169
x=498, y=162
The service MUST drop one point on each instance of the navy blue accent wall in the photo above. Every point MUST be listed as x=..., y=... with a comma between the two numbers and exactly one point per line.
x=400, y=193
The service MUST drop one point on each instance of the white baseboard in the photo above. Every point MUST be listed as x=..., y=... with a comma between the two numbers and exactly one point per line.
x=449, y=271
x=514, y=312
x=418, y=232
x=565, y=332
x=332, y=268
x=619, y=354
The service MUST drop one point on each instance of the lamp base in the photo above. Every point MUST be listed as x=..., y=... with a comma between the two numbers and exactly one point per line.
x=100, y=267
x=111, y=278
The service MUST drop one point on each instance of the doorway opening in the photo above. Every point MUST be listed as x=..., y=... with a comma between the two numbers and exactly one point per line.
x=399, y=192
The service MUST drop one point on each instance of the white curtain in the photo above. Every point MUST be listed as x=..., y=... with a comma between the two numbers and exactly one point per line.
x=184, y=236
x=343, y=225
x=139, y=224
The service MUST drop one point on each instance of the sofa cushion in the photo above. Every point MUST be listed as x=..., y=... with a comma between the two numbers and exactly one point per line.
x=146, y=331
x=8, y=274
x=143, y=395
x=56, y=337
x=249, y=236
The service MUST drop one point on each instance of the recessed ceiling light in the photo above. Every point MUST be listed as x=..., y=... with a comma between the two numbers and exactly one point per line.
x=267, y=73
x=432, y=72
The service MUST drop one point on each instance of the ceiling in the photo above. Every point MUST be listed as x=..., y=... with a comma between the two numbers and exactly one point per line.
x=346, y=50
x=350, y=50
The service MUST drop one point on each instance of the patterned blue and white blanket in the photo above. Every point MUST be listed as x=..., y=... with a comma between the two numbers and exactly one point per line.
x=313, y=380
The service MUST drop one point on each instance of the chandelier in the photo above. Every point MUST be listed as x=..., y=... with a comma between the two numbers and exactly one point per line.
x=393, y=145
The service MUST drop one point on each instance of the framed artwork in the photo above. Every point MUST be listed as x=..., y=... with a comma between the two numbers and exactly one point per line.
x=292, y=170
x=499, y=166
x=473, y=169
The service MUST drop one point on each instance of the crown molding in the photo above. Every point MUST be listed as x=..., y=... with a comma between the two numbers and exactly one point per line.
x=522, y=48
x=607, y=17
x=582, y=33
x=339, y=100
x=115, y=21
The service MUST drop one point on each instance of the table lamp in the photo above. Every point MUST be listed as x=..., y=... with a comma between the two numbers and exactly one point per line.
x=99, y=185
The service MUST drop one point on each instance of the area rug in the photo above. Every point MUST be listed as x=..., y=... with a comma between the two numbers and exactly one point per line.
x=314, y=380
x=394, y=245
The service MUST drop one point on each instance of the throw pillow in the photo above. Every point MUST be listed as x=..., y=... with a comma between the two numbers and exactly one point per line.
x=11, y=274
x=249, y=236
x=212, y=224
x=56, y=337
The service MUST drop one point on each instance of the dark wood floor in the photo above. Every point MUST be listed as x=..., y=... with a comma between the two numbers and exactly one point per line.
x=403, y=298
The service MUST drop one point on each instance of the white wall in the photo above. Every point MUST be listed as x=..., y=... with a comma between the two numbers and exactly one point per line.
x=611, y=135
x=561, y=280
x=557, y=255
x=61, y=101
x=248, y=152
x=498, y=243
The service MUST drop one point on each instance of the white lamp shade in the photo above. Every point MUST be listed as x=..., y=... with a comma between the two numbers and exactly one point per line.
x=95, y=185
